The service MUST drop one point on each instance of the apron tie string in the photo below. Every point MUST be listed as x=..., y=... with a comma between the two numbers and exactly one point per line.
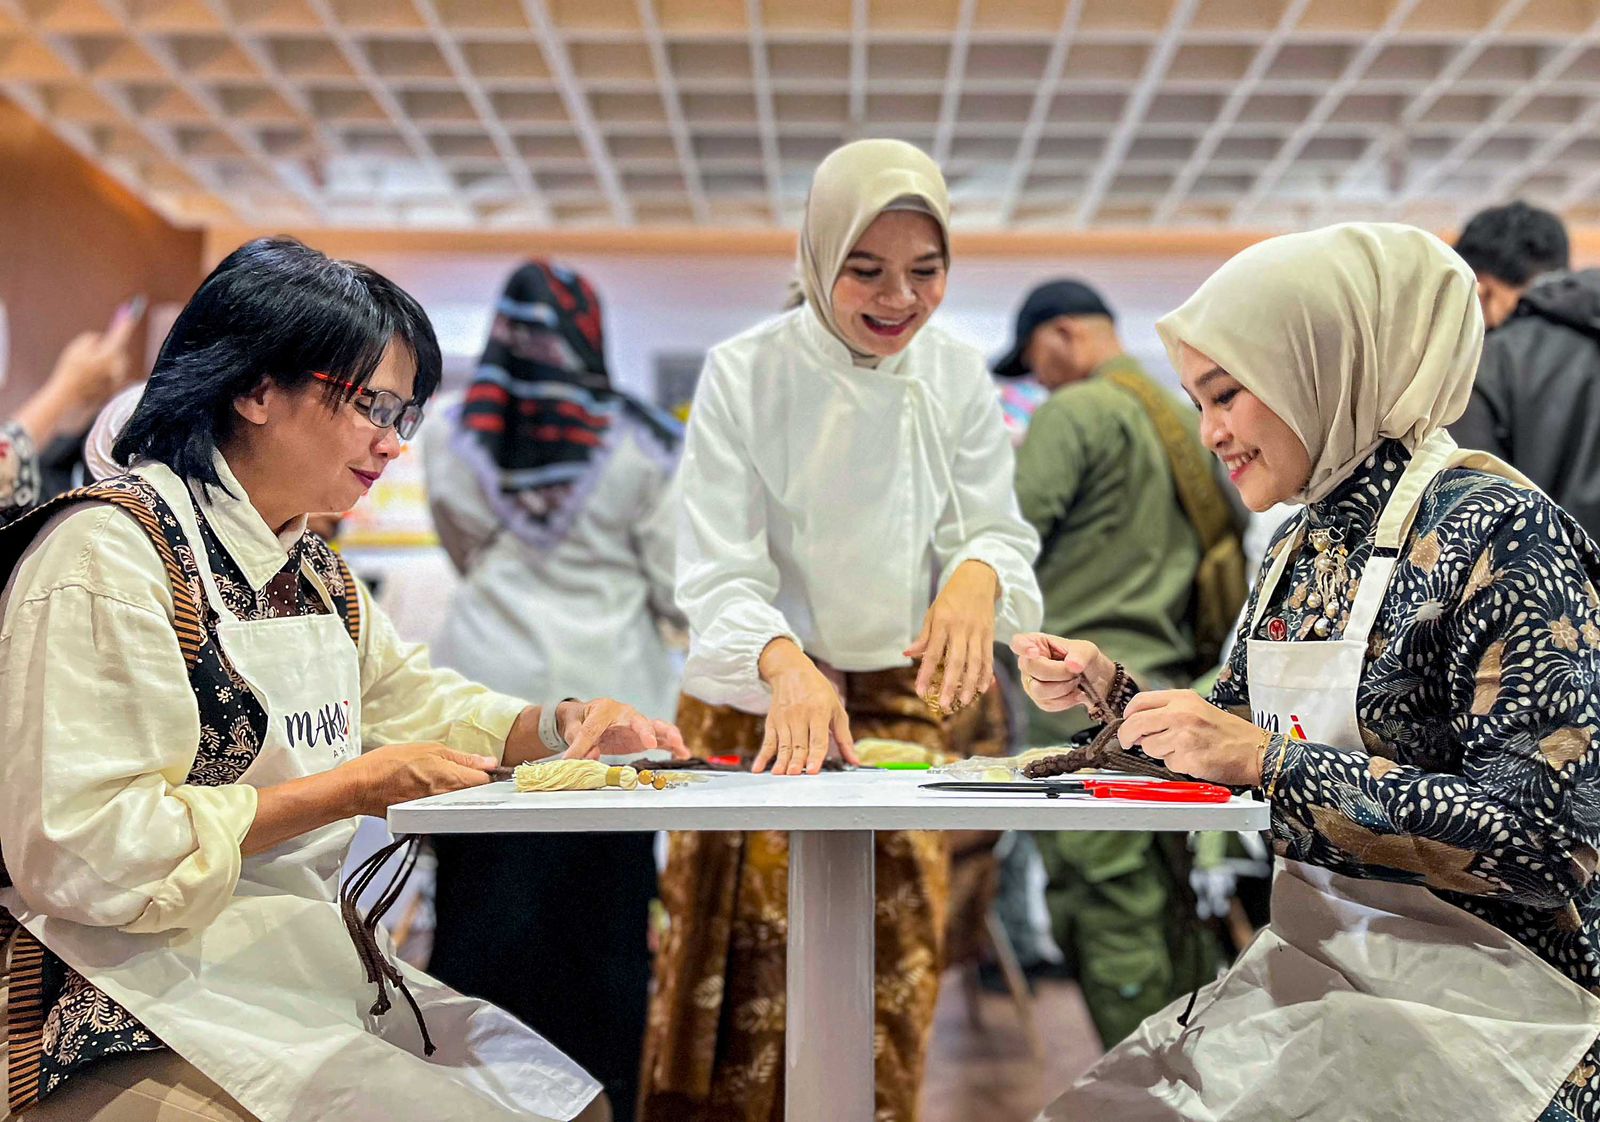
x=1197, y=960
x=363, y=932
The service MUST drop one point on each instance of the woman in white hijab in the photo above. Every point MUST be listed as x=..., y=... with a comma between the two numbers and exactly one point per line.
x=1415, y=695
x=849, y=551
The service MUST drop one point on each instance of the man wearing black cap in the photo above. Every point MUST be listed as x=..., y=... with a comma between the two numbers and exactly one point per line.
x=1106, y=474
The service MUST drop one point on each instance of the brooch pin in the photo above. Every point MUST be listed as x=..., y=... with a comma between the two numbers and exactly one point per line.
x=1330, y=573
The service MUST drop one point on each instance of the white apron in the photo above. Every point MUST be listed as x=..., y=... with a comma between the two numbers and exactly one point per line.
x=270, y=999
x=1362, y=999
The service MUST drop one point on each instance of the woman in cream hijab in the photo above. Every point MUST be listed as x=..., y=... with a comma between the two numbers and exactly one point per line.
x=1414, y=693
x=849, y=551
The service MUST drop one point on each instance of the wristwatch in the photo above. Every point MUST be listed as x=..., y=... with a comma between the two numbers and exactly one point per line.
x=550, y=726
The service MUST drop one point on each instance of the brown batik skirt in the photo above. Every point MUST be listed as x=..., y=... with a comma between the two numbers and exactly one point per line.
x=714, y=1048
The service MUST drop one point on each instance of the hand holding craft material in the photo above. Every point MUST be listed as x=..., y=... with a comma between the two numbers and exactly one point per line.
x=1104, y=753
x=931, y=698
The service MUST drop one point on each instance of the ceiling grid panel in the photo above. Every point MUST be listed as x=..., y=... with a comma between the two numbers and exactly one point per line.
x=506, y=115
x=328, y=145
x=577, y=103
x=1039, y=112
x=1505, y=110
x=228, y=120
x=1391, y=145
x=766, y=119
x=527, y=190
x=1155, y=70
x=672, y=106
x=1266, y=54
x=954, y=77
x=391, y=110
x=1323, y=107
x=114, y=96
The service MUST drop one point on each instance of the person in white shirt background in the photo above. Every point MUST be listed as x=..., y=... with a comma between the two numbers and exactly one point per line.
x=197, y=699
x=550, y=490
x=849, y=546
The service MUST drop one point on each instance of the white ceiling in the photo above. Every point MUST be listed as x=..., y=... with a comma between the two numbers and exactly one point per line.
x=1048, y=114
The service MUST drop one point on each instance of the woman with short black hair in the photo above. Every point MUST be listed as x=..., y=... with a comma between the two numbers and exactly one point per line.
x=197, y=699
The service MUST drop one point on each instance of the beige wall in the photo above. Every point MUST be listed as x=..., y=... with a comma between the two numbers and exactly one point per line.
x=73, y=245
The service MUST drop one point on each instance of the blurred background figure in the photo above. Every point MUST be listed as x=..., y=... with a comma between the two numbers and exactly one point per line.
x=1510, y=248
x=92, y=368
x=1140, y=550
x=1536, y=401
x=551, y=492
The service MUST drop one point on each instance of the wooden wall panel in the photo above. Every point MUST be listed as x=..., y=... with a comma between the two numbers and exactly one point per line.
x=74, y=243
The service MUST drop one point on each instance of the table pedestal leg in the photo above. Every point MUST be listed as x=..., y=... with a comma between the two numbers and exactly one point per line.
x=829, y=1071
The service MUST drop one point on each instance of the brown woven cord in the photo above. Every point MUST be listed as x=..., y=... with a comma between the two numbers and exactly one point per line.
x=363, y=932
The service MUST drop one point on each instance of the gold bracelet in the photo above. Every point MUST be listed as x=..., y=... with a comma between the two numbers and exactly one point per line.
x=1277, y=772
x=1262, y=747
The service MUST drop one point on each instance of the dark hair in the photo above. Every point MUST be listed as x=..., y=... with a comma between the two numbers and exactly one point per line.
x=274, y=308
x=1514, y=243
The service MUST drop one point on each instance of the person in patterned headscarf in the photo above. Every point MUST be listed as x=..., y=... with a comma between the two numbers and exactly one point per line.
x=1415, y=694
x=551, y=491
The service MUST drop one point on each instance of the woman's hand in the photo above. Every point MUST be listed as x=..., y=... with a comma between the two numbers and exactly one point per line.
x=1055, y=671
x=807, y=712
x=92, y=369
x=958, y=637
x=88, y=373
x=398, y=773
x=1192, y=736
x=604, y=727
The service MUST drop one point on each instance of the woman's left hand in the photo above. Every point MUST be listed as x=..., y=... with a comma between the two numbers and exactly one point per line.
x=604, y=727
x=1192, y=736
x=958, y=634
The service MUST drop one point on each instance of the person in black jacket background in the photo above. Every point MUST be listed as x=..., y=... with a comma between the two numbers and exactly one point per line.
x=1536, y=403
x=1511, y=248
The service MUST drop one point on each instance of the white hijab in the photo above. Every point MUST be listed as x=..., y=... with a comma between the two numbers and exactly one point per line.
x=852, y=186
x=1353, y=334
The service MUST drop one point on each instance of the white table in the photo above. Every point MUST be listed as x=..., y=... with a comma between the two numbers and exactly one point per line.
x=831, y=819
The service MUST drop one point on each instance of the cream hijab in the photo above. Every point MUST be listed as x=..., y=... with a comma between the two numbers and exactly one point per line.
x=852, y=186
x=1352, y=334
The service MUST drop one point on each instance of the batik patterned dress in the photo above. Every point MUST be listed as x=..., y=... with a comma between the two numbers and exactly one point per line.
x=714, y=1049
x=1478, y=710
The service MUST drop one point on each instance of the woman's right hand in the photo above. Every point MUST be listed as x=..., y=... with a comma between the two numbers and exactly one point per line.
x=806, y=713
x=398, y=773
x=1055, y=671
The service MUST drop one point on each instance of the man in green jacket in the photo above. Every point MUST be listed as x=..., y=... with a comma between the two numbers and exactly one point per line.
x=1117, y=567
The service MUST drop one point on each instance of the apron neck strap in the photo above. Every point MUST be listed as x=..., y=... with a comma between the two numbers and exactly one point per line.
x=186, y=508
x=1280, y=563
x=1432, y=456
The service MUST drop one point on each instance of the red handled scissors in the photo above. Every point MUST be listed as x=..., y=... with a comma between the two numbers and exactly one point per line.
x=1157, y=791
